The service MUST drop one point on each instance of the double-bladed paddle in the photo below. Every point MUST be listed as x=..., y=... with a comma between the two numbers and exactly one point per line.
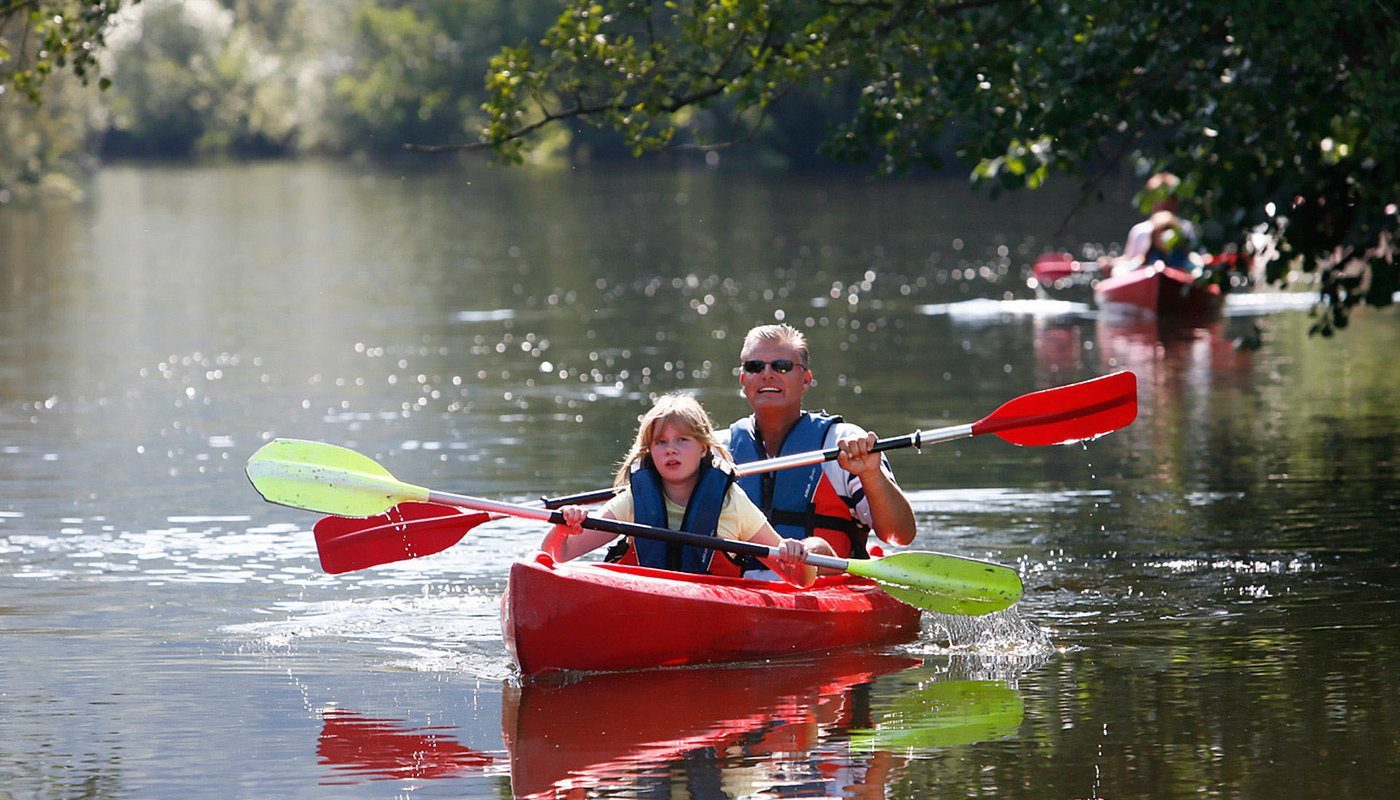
x=334, y=480
x=1059, y=415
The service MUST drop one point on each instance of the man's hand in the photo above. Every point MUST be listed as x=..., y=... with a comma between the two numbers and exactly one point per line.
x=856, y=457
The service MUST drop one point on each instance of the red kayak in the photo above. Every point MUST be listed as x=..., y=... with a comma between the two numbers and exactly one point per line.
x=590, y=616
x=1158, y=291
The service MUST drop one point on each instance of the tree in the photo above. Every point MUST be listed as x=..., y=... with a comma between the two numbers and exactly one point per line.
x=1279, y=118
x=414, y=68
x=40, y=36
x=189, y=79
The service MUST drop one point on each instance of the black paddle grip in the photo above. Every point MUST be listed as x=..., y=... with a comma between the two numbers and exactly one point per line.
x=580, y=499
x=667, y=535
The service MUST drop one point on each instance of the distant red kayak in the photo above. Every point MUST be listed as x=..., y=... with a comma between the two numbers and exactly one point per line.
x=589, y=616
x=1160, y=291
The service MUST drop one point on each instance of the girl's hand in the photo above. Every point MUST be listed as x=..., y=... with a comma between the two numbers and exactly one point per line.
x=791, y=552
x=818, y=546
x=573, y=518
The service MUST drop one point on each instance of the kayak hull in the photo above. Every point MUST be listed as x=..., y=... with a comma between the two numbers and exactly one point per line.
x=1158, y=291
x=604, y=617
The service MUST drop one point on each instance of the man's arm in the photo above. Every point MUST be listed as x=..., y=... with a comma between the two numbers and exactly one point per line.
x=891, y=516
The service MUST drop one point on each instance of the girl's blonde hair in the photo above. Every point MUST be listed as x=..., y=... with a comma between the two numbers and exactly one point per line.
x=681, y=410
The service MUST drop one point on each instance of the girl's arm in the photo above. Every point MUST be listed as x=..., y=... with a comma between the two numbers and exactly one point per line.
x=571, y=540
x=788, y=564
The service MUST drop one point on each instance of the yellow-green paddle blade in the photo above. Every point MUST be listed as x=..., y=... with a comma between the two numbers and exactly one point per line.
x=328, y=479
x=944, y=714
x=944, y=583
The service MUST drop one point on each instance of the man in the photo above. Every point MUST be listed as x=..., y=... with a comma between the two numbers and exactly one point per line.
x=1163, y=236
x=838, y=502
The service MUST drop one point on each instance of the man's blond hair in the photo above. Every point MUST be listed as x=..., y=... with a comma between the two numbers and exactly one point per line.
x=780, y=333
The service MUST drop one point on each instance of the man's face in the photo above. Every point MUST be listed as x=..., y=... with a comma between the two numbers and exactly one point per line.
x=769, y=388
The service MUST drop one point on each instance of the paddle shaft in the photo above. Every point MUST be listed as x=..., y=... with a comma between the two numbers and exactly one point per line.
x=627, y=528
x=916, y=440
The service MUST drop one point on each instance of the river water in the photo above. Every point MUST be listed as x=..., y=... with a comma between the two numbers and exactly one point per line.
x=1209, y=604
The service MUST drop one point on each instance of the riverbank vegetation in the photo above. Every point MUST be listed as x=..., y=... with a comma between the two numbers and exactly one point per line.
x=1282, y=120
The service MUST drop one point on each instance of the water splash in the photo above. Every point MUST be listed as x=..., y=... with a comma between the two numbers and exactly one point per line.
x=1000, y=634
x=435, y=631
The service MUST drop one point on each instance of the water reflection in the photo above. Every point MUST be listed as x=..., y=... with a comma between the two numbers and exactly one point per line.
x=1168, y=355
x=806, y=728
x=706, y=728
x=943, y=714
x=357, y=747
x=836, y=726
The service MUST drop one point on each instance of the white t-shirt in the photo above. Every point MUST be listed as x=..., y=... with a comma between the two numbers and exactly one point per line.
x=1140, y=238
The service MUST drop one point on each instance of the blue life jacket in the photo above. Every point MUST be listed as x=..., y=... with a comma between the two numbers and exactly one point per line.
x=788, y=497
x=701, y=516
x=1180, y=258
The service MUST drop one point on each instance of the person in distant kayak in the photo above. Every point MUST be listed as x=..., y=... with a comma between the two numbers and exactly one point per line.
x=677, y=475
x=834, y=505
x=1163, y=237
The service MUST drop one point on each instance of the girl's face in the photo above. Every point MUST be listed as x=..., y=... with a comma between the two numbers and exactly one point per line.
x=676, y=452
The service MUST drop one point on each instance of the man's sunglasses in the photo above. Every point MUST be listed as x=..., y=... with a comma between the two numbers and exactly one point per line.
x=782, y=366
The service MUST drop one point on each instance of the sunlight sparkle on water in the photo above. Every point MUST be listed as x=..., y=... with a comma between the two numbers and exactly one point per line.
x=1242, y=566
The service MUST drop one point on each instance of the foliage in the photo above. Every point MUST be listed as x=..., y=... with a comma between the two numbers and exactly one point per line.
x=38, y=37
x=414, y=69
x=190, y=80
x=1280, y=119
x=399, y=86
x=44, y=143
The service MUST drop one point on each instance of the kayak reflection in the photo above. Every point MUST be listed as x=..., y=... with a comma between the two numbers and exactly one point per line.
x=780, y=728
x=360, y=748
x=1158, y=351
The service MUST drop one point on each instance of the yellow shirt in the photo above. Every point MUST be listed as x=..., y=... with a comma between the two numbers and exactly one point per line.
x=739, y=518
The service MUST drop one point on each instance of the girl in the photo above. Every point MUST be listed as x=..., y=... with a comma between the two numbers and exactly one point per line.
x=678, y=476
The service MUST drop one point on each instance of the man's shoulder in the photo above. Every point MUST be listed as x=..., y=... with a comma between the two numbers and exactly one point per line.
x=844, y=429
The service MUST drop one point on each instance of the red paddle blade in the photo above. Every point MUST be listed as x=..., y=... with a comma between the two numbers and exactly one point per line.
x=408, y=530
x=1065, y=414
x=1052, y=267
